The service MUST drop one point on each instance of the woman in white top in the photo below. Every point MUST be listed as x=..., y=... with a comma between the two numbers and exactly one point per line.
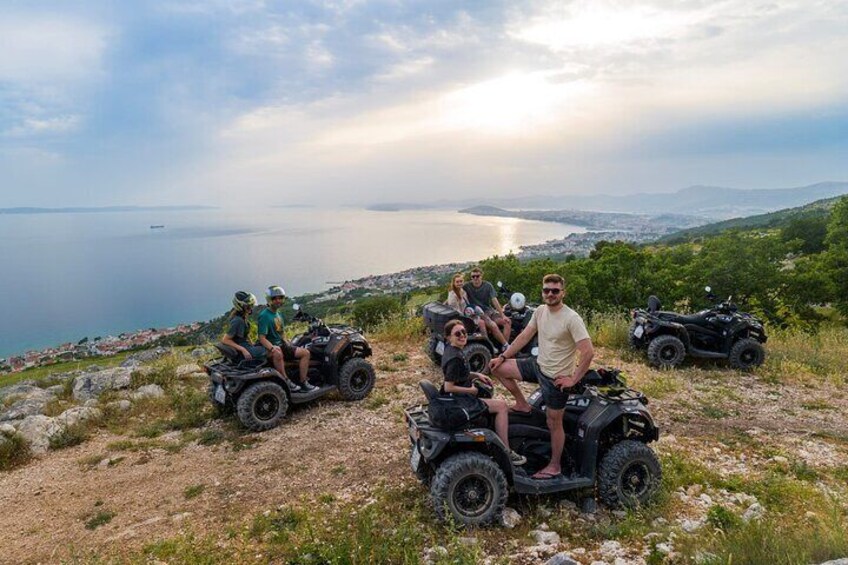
x=458, y=300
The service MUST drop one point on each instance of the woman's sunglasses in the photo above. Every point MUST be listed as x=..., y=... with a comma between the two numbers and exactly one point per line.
x=553, y=291
x=460, y=333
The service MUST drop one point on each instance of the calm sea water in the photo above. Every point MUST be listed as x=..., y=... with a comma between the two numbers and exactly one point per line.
x=65, y=276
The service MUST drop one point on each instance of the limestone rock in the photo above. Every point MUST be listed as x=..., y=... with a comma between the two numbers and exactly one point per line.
x=544, y=537
x=611, y=549
x=148, y=391
x=690, y=526
x=6, y=429
x=561, y=559
x=23, y=408
x=754, y=512
x=120, y=405
x=510, y=518
x=38, y=430
x=77, y=414
x=187, y=369
x=92, y=385
x=840, y=561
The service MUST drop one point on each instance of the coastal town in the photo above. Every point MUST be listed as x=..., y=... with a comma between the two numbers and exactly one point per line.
x=95, y=347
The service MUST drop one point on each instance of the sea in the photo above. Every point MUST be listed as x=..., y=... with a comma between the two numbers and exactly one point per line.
x=71, y=275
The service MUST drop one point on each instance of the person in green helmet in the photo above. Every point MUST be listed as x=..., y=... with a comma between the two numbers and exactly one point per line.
x=271, y=337
x=239, y=327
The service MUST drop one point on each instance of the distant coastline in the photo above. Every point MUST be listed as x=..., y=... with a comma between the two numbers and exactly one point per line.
x=102, y=209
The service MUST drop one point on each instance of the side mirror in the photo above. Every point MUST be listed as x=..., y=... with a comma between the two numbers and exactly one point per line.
x=708, y=289
x=296, y=307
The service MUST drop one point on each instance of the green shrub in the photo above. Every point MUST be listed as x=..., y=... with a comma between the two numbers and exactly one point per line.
x=162, y=372
x=192, y=408
x=723, y=519
x=370, y=312
x=70, y=436
x=193, y=491
x=399, y=329
x=14, y=452
x=101, y=518
x=610, y=330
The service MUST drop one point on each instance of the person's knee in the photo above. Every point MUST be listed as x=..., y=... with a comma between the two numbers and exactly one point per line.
x=276, y=355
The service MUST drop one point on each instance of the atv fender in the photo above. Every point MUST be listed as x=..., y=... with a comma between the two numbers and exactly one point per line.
x=483, y=440
x=662, y=327
x=234, y=384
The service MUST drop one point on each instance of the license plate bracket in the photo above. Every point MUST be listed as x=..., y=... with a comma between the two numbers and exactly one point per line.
x=638, y=331
x=220, y=394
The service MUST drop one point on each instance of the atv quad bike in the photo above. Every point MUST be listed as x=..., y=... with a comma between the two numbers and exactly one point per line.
x=261, y=396
x=720, y=332
x=480, y=348
x=607, y=426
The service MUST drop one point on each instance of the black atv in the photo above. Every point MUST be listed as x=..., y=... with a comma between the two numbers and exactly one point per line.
x=480, y=348
x=720, y=332
x=260, y=396
x=607, y=426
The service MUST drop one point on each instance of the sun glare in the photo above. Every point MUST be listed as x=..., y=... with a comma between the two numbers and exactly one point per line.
x=507, y=104
x=598, y=26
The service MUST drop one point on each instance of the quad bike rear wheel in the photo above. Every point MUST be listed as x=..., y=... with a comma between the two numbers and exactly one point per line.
x=629, y=475
x=470, y=488
x=666, y=351
x=356, y=379
x=747, y=354
x=262, y=406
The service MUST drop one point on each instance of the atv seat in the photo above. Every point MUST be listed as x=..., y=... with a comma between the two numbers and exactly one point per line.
x=683, y=318
x=236, y=358
x=429, y=389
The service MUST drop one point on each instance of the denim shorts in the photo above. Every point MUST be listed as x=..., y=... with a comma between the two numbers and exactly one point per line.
x=555, y=398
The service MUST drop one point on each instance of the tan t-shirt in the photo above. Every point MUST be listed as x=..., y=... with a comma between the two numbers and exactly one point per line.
x=558, y=334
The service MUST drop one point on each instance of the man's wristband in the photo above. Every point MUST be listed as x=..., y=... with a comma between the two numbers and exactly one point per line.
x=502, y=356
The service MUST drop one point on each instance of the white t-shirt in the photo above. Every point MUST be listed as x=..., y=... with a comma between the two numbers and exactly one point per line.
x=456, y=303
x=558, y=334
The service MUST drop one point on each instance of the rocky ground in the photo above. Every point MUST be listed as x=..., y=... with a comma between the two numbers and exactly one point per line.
x=128, y=480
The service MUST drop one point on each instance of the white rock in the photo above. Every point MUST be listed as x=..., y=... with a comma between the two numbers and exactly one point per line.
x=780, y=459
x=611, y=549
x=544, y=537
x=706, y=499
x=754, y=512
x=690, y=526
x=23, y=408
x=148, y=391
x=841, y=561
x=92, y=385
x=510, y=518
x=561, y=559
x=7, y=429
x=91, y=403
x=665, y=548
x=120, y=405
x=38, y=430
x=599, y=563
x=77, y=414
x=187, y=369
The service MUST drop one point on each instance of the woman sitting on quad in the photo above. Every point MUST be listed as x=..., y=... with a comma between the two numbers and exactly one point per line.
x=458, y=382
x=239, y=328
x=458, y=300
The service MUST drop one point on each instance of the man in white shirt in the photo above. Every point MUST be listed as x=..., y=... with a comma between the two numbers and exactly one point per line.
x=562, y=338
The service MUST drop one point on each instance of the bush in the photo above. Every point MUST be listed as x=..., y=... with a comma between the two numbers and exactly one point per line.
x=399, y=328
x=370, y=312
x=14, y=451
x=192, y=408
x=70, y=436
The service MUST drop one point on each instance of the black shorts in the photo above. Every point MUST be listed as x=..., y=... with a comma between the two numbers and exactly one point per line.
x=288, y=351
x=555, y=398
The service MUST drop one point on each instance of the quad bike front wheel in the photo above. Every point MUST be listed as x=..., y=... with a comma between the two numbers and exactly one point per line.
x=629, y=475
x=747, y=354
x=666, y=351
x=478, y=356
x=262, y=406
x=356, y=379
x=470, y=488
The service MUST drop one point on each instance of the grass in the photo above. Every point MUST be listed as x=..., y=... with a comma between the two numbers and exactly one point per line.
x=394, y=528
x=70, y=436
x=100, y=518
x=193, y=491
x=661, y=384
x=375, y=401
x=14, y=452
x=609, y=330
x=399, y=329
x=798, y=356
x=42, y=373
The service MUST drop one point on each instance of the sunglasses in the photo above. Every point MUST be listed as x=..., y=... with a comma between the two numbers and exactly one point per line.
x=476, y=276
x=553, y=291
x=460, y=333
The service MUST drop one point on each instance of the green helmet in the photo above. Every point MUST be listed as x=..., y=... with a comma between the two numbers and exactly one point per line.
x=273, y=292
x=244, y=300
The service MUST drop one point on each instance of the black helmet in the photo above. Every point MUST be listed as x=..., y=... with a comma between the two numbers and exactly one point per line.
x=244, y=300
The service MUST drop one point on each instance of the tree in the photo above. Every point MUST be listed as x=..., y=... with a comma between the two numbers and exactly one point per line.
x=837, y=254
x=806, y=233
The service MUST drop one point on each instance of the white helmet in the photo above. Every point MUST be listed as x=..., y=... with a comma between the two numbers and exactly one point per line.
x=517, y=301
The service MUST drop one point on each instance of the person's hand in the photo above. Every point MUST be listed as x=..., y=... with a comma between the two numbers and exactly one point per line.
x=563, y=381
x=486, y=380
x=247, y=355
x=496, y=362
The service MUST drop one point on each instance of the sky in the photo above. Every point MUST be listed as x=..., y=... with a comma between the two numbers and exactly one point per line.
x=355, y=102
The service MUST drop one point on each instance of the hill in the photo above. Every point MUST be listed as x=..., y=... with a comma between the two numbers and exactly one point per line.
x=710, y=201
x=773, y=220
x=754, y=467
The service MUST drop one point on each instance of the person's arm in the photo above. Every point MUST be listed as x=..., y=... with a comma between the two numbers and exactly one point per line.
x=263, y=341
x=497, y=305
x=452, y=387
x=517, y=345
x=227, y=340
x=586, y=352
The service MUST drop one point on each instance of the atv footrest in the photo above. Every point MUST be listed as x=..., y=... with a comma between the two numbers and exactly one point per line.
x=301, y=397
x=525, y=484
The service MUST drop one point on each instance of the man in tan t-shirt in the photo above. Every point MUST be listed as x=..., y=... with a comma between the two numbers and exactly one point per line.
x=562, y=337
